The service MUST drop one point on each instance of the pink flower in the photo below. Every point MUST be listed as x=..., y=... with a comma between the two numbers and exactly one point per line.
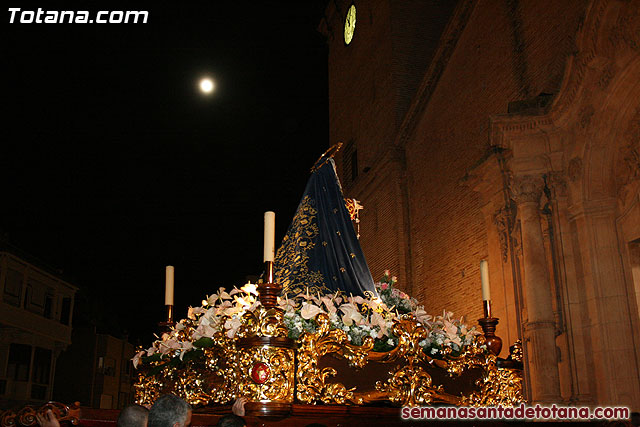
x=384, y=286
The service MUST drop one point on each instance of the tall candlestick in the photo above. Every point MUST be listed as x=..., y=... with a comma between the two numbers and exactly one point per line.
x=269, y=235
x=168, y=285
x=484, y=276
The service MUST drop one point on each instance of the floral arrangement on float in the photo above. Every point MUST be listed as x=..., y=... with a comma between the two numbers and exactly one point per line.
x=222, y=317
x=331, y=349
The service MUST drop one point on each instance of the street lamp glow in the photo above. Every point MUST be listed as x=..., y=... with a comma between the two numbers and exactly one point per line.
x=206, y=86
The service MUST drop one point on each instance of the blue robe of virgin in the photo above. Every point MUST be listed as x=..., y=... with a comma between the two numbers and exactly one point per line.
x=321, y=252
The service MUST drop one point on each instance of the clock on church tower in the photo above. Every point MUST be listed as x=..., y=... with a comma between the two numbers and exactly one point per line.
x=350, y=24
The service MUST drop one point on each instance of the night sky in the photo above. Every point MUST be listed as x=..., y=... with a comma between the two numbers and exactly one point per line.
x=113, y=165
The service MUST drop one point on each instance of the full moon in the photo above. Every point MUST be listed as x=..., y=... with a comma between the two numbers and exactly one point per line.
x=206, y=85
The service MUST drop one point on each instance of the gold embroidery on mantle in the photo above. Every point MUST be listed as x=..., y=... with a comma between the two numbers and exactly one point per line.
x=292, y=259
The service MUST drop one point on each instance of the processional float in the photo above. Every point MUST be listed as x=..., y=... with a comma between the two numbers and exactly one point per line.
x=318, y=330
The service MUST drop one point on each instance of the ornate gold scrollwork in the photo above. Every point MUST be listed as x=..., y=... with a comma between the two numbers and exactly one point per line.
x=497, y=386
x=410, y=384
x=209, y=379
x=474, y=356
x=27, y=415
x=263, y=322
x=278, y=384
x=259, y=363
x=264, y=361
x=312, y=382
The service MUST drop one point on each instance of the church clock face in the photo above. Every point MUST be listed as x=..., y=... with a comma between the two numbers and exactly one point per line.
x=350, y=24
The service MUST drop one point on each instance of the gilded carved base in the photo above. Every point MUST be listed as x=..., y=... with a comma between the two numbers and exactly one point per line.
x=266, y=372
x=410, y=371
x=330, y=370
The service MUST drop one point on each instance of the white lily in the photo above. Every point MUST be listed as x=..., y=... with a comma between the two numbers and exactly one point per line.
x=136, y=358
x=194, y=311
x=310, y=311
x=186, y=346
x=351, y=314
x=232, y=325
x=250, y=288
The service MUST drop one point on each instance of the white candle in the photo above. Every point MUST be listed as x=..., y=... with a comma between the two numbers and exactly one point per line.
x=269, y=235
x=168, y=285
x=484, y=276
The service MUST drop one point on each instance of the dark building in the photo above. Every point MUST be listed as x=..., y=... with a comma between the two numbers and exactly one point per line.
x=96, y=370
x=36, y=307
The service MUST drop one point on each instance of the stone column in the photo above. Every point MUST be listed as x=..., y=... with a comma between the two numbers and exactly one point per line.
x=539, y=331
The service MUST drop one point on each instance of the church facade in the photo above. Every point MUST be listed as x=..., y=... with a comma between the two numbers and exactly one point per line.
x=503, y=130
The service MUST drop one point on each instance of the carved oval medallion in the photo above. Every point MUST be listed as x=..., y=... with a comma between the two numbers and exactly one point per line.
x=260, y=373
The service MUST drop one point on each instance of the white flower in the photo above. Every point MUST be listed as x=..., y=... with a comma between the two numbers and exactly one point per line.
x=357, y=300
x=168, y=345
x=378, y=320
x=136, y=358
x=452, y=332
x=333, y=317
x=193, y=311
x=328, y=303
x=204, y=330
x=310, y=311
x=232, y=310
x=390, y=341
x=186, y=346
x=351, y=314
x=250, y=288
x=232, y=325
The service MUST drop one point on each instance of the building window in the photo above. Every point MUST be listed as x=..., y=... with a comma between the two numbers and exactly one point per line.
x=13, y=287
x=65, y=311
x=27, y=297
x=48, y=305
x=19, y=362
x=41, y=366
x=35, y=300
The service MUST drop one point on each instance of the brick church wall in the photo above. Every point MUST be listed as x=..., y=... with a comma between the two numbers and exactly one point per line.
x=509, y=50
